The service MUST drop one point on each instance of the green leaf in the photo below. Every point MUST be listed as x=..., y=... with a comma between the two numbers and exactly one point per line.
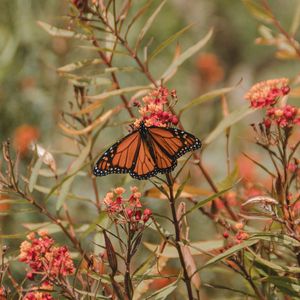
x=277, y=268
x=230, y=180
x=117, y=92
x=289, y=286
x=54, y=31
x=296, y=20
x=149, y=23
x=197, y=248
x=181, y=187
x=258, y=11
x=229, y=252
x=186, y=55
x=136, y=16
x=203, y=202
x=79, y=64
x=163, y=293
x=35, y=173
x=86, y=80
x=169, y=40
x=13, y=201
x=206, y=97
x=13, y=236
x=228, y=121
x=74, y=168
x=276, y=238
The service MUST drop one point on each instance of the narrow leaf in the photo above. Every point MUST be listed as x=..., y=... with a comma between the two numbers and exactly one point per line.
x=196, y=248
x=35, y=173
x=181, y=187
x=186, y=55
x=79, y=64
x=111, y=254
x=277, y=238
x=149, y=23
x=203, y=202
x=289, y=286
x=98, y=99
x=168, y=41
x=75, y=167
x=275, y=267
x=163, y=293
x=54, y=31
x=228, y=121
x=207, y=97
x=229, y=252
x=258, y=11
x=230, y=180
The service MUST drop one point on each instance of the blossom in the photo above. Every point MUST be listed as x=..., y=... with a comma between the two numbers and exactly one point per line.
x=36, y=295
x=2, y=293
x=126, y=209
x=42, y=256
x=285, y=116
x=266, y=93
x=24, y=135
x=152, y=111
x=209, y=67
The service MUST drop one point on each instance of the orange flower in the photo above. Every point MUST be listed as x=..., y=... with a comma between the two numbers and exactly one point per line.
x=209, y=67
x=24, y=135
x=3, y=206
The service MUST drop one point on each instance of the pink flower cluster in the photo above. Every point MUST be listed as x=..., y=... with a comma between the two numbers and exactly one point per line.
x=36, y=295
x=285, y=116
x=40, y=254
x=126, y=209
x=153, y=109
x=266, y=93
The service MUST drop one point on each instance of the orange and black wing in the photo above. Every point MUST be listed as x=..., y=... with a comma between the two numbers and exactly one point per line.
x=168, y=144
x=144, y=164
x=120, y=157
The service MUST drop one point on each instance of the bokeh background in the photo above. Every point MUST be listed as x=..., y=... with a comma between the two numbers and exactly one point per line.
x=32, y=93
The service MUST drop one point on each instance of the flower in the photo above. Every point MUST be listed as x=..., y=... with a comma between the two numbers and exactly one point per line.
x=122, y=209
x=266, y=93
x=285, y=116
x=36, y=295
x=40, y=254
x=209, y=67
x=24, y=135
x=152, y=112
x=2, y=293
x=119, y=190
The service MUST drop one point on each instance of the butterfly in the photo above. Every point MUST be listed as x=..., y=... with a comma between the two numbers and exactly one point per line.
x=146, y=151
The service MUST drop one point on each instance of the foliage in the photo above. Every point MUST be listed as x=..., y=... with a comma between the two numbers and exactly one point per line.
x=251, y=228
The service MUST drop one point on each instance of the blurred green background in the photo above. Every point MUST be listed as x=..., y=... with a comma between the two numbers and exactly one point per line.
x=32, y=92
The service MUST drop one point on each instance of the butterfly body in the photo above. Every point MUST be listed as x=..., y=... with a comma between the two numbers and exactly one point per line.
x=146, y=151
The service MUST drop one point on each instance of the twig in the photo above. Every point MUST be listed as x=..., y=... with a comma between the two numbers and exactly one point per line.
x=187, y=279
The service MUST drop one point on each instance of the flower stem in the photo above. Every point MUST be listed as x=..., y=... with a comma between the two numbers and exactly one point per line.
x=187, y=279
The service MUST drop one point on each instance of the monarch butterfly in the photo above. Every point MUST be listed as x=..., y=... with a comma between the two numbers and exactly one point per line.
x=146, y=151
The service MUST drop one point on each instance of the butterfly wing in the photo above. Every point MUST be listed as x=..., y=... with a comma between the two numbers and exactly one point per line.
x=168, y=144
x=144, y=165
x=120, y=157
x=145, y=157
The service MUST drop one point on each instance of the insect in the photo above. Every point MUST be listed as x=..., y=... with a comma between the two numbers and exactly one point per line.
x=146, y=151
